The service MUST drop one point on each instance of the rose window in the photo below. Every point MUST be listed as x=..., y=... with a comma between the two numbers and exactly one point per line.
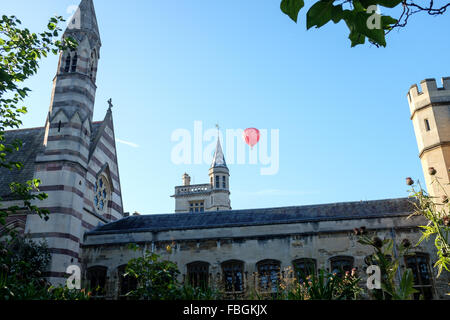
x=101, y=191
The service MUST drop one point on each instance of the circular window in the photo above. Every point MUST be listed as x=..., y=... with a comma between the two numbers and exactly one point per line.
x=101, y=190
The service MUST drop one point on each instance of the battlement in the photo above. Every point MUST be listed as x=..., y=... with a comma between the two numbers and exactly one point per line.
x=427, y=93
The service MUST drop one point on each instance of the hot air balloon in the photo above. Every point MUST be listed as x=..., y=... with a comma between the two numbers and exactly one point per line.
x=251, y=136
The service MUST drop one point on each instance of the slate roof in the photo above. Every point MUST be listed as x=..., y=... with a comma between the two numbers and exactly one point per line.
x=254, y=217
x=218, y=158
x=32, y=143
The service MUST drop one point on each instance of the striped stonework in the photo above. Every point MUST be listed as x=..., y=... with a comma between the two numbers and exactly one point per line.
x=76, y=153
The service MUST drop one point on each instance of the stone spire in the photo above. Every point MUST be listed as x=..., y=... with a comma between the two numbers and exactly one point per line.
x=219, y=158
x=84, y=21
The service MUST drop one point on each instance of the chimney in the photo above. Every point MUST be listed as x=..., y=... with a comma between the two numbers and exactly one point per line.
x=186, y=180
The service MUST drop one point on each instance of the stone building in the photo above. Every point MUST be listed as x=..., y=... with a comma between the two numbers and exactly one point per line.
x=238, y=250
x=74, y=157
x=212, y=196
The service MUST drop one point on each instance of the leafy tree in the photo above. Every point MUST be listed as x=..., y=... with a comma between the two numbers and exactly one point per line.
x=360, y=16
x=20, y=53
x=22, y=266
x=157, y=280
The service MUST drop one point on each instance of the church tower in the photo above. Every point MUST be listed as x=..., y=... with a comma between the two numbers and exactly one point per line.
x=78, y=162
x=219, y=176
x=430, y=113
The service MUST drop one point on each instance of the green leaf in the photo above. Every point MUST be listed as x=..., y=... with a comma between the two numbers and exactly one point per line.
x=292, y=8
x=319, y=14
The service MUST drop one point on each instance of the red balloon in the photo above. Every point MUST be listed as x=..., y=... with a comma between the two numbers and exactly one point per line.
x=251, y=136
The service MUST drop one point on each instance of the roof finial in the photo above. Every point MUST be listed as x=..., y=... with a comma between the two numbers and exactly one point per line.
x=110, y=103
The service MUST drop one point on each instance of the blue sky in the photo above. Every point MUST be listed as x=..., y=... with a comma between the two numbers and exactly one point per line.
x=342, y=113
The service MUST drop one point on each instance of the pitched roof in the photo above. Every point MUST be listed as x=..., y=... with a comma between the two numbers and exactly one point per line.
x=254, y=217
x=32, y=143
x=219, y=158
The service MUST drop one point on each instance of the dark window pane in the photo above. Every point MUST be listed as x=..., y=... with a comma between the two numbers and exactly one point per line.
x=198, y=274
x=269, y=275
x=126, y=283
x=419, y=264
x=304, y=268
x=96, y=277
x=341, y=264
x=233, y=276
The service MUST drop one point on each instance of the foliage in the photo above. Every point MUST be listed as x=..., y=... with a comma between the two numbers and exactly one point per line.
x=320, y=286
x=389, y=262
x=157, y=280
x=22, y=266
x=359, y=16
x=20, y=53
x=436, y=211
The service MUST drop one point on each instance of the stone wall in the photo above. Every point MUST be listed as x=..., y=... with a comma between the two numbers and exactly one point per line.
x=251, y=244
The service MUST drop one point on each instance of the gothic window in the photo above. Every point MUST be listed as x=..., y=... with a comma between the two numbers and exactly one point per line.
x=233, y=276
x=419, y=264
x=269, y=275
x=341, y=264
x=96, y=277
x=92, y=65
x=197, y=206
x=126, y=283
x=303, y=268
x=74, y=63
x=217, y=181
x=198, y=274
x=67, y=63
x=224, y=182
x=101, y=193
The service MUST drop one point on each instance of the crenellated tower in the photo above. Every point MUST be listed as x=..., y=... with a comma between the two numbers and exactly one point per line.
x=430, y=113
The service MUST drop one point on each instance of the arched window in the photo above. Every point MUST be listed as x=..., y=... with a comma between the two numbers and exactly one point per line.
x=102, y=193
x=74, y=63
x=420, y=266
x=96, y=277
x=198, y=274
x=224, y=182
x=67, y=63
x=126, y=283
x=92, y=65
x=233, y=276
x=303, y=268
x=269, y=275
x=341, y=264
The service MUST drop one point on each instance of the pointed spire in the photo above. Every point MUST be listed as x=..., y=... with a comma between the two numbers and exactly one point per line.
x=84, y=19
x=219, y=158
